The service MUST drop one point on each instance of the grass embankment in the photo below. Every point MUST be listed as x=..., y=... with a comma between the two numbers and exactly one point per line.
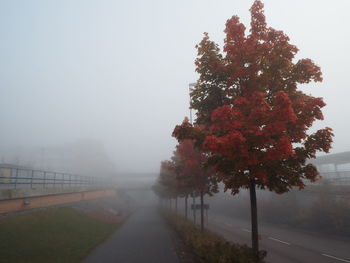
x=53, y=235
x=207, y=246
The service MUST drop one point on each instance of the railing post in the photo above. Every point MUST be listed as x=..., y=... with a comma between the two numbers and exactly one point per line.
x=16, y=178
x=30, y=177
x=44, y=180
x=31, y=180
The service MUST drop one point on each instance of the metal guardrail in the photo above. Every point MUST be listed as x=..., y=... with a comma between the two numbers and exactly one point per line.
x=340, y=180
x=334, y=174
x=335, y=178
x=14, y=178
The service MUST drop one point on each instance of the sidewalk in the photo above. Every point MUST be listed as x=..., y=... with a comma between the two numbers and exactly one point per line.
x=143, y=238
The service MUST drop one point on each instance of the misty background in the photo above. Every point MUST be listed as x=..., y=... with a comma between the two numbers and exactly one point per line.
x=96, y=87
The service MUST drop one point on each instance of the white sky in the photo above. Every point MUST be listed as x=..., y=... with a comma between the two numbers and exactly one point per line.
x=118, y=71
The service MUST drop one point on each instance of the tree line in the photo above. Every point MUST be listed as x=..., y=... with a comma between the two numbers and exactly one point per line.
x=252, y=122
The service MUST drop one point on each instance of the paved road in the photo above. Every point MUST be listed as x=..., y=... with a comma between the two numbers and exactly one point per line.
x=285, y=245
x=143, y=238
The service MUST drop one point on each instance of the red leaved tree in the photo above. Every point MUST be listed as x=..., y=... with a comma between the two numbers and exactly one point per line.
x=184, y=183
x=255, y=119
x=193, y=175
x=166, y=186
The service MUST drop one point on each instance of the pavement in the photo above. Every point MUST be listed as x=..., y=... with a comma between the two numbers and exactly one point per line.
x=143, y=238
x=284, y=244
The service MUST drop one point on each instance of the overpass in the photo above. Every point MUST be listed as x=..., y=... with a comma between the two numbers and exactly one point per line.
x=332, y=163
x=23, y=188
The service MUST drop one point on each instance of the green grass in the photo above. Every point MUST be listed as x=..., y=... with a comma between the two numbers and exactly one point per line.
x=54, y=235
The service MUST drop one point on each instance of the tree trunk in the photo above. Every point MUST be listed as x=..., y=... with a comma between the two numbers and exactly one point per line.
x=170, y=203
x=254, y=218
x=186, y=207
x=202, y=212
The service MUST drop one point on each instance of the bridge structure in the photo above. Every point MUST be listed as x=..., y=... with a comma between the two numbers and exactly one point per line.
x=23, y=188
x=334, y=167
x=16, y=177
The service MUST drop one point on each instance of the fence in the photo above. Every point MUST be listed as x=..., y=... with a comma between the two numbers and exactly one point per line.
x=14, y=177
x=337, y=177
x=334, y=178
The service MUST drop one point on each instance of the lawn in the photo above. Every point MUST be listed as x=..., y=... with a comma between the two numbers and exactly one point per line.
x=53, y=235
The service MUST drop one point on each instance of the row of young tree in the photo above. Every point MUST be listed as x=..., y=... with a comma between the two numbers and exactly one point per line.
x=252, y=122
x=186, y=175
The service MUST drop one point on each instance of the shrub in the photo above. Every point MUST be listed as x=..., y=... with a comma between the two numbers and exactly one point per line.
x=207, y=246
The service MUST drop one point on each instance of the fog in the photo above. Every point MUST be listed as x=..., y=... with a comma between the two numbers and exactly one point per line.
x=112, y=76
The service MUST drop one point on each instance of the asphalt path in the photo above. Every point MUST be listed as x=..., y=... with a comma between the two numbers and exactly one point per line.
x=143, y=238
x=285, y=244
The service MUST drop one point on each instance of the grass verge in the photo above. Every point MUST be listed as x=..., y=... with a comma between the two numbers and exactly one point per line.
x=53, y=235
x=207, y=246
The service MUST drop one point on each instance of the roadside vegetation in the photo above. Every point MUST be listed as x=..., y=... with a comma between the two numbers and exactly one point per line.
x=207, y=246
x=326, y=213
x=317, y=209
x=52, y=235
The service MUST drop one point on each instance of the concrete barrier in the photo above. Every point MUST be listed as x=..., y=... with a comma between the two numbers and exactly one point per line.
x=31, y=202
x=6, y=194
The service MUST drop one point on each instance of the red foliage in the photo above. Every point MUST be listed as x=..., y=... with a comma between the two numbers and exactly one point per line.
x=167, y=185
x=253, y=120
x=192, y=174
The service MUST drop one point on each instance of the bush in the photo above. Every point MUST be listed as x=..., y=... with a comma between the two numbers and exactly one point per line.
x=207, y=246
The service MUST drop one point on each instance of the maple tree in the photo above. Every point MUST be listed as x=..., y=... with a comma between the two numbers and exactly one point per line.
x=184, y=183
x=251, y=118
x=193, y=175
x=167, y=184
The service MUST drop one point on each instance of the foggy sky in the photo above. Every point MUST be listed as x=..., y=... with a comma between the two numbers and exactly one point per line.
x=118, y=71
